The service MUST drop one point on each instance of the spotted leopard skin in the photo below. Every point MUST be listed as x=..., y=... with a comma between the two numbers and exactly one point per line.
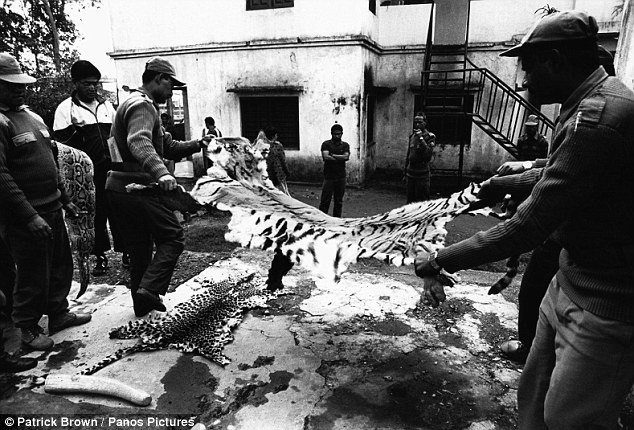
x=200, y=325
x=76, y=172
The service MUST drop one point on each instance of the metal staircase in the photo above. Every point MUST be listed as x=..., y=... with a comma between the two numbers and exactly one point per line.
x=449, y=79
x=497, y=109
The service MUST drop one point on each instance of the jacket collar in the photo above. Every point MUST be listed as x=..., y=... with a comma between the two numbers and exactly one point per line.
x=5, y=108
x=76, y=100
x=595, y=79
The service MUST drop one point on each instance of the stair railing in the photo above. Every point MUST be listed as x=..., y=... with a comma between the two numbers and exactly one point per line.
x=497, y=109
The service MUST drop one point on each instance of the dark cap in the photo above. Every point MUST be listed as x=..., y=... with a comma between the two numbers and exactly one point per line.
x=83, y=69
x=566, y=26
x=161, y=65
x=336, y=127
x=10, y=71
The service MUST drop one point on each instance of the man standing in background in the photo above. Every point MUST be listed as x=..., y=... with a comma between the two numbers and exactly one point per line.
x=419, y=152
x=531, y=145
x=335, y=152
x=83, y=121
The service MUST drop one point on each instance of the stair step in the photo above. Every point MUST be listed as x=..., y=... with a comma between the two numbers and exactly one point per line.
x=447, y=48
x=448, y=62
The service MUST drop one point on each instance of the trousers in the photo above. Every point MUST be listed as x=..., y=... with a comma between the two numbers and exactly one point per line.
x=579, y=370
x=542, y=266
x=418, y=189
x=44, y=270
x=336, y=187
x=144, y=223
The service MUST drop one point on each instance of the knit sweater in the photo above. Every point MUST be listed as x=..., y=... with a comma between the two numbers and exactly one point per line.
x=140, y=139
x=29, y=176
x=585, y=197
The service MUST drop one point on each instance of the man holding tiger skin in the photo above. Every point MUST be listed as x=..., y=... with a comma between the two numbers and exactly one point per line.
x=581, y=364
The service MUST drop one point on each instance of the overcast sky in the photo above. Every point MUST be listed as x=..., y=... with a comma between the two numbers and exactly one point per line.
x=95, y=40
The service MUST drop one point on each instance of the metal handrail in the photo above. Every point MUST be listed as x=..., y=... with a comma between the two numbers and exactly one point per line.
x=525, y=103
x=500, y=110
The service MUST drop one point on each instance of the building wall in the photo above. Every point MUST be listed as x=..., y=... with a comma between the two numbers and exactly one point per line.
x=227, y=22
x=336, y=51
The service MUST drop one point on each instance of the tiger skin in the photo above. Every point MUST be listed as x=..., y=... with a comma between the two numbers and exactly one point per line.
x=264, y=217
x=76, y=174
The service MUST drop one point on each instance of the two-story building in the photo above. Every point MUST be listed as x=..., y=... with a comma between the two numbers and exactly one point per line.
x=302, y=65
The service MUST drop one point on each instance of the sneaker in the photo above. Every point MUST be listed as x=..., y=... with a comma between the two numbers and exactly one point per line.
x=125, y=260
x=67, y=319
x=12, y=364
x=33, y=338
x=145, y=301
x=101, y=266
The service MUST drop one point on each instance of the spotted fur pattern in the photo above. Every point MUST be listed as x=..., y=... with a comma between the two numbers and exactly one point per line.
x=266, y=218
x=76, y=172
x=200, y=325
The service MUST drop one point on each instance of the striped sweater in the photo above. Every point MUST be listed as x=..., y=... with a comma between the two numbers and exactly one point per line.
x=585, y=197
x=142, y=142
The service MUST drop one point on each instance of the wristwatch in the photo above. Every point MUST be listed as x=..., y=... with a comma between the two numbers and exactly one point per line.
x=432, y=261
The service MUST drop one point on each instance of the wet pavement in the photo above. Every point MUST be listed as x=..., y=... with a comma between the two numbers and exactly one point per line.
x=360, y=354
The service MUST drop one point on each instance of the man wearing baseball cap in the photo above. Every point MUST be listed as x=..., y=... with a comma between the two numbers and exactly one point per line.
x=581, y=364
x=83, y=121
x=31, y=219
x=531, y=144
x=138, y=145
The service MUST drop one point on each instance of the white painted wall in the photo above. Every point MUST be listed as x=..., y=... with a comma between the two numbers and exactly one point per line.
x=216, y=45
x=502, y=20
x=170, y=23
x=625, y=50
x=403, y=25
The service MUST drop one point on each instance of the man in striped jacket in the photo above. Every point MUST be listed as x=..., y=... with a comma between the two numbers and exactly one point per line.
x=83, y=121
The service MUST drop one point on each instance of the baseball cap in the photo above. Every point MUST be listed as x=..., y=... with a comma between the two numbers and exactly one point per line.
x=83, y=69
x=10, y=71
x=531, y=120
x=566, y=26
x=161, y=65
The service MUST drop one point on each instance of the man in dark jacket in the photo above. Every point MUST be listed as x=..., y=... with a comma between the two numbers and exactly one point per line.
x=138, y=145
x=581, y=364
x=31, y=219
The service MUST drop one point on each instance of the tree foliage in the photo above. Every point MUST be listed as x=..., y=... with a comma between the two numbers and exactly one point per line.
x=41, y=36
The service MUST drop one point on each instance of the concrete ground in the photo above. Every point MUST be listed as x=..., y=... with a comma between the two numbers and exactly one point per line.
x=361, y=354
x=356, y=355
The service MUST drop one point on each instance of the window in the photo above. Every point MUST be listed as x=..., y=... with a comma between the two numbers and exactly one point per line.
x=281, y=112
x=268, y=4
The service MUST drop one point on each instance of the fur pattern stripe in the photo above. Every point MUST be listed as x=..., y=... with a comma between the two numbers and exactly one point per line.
x=266, y=218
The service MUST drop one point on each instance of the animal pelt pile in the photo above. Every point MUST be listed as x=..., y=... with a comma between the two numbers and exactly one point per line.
x=200, y=325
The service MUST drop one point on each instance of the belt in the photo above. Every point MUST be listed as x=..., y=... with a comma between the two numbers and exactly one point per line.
x=127, y=166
